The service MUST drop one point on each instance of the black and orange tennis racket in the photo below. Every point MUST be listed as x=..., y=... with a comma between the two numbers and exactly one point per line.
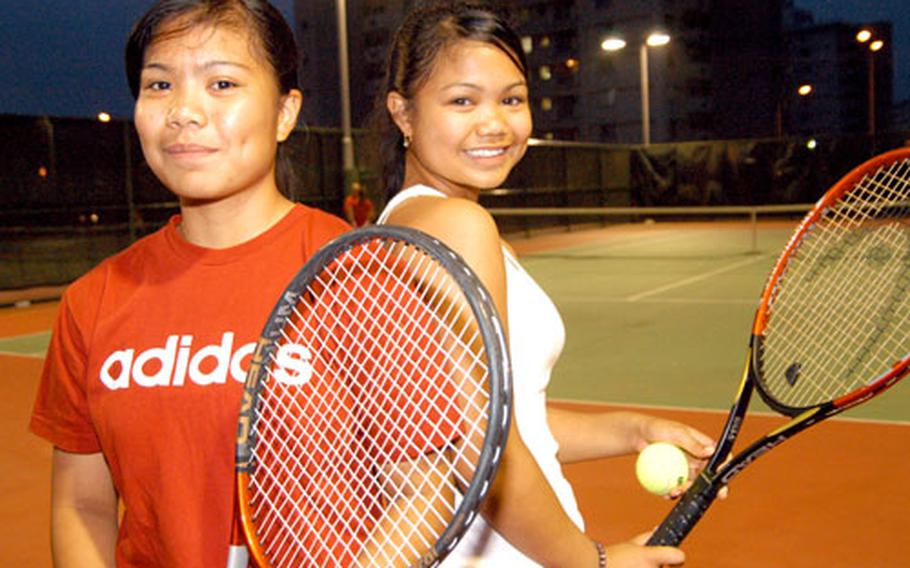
x=832, y=329
x=375, y=409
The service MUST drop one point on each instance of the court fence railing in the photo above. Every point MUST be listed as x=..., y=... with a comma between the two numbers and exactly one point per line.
x=74, y=191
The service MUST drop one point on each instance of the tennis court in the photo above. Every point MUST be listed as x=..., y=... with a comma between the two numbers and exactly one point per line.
x=657, y=316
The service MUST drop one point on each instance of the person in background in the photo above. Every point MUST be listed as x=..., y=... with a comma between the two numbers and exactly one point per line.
x=358, y=207
x=142, y=381
x=455, y=119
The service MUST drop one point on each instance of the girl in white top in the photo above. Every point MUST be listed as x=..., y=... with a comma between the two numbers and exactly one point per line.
x=457, y=120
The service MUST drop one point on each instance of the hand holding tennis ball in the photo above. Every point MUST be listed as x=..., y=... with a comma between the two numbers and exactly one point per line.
x=661, y=468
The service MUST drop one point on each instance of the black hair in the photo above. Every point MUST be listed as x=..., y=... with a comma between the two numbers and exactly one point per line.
x=265, y=23
x=427, y=31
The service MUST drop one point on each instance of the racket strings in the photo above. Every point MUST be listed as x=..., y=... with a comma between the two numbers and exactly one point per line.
x=840, y=314
x=335, y=458
x=443, y=286
x=410, y=345
x=355, y=528
x=347, y=514
x=332, y=466
x=288, y=481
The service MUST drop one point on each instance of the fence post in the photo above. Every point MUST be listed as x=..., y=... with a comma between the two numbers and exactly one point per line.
x=128, y=180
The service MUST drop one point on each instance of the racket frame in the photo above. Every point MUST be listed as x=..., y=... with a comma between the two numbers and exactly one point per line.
x=499, y=381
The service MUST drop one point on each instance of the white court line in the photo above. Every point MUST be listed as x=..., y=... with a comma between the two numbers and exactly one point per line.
x=24, y=335
x=696, y=278
x=20, y=354
x=637, y=240
x=613, y=244
x=718, y=411
x=694, y=301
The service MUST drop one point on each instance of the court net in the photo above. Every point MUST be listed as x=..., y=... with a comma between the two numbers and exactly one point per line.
x=530, y=221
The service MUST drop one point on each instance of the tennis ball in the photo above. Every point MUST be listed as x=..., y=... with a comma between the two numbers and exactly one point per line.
x=661, y=467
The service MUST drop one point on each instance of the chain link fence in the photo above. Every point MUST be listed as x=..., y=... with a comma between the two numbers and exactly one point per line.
x=74, y=191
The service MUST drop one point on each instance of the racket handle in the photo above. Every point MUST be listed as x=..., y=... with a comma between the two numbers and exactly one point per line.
x=692, y=505
x=238, y=553
x=238, y=557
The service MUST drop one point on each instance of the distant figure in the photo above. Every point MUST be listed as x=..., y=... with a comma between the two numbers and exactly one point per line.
x=358, y=208
x=139, y=226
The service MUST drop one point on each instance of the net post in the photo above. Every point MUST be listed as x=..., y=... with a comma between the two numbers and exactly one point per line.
x=131, y=209
x=753, y=217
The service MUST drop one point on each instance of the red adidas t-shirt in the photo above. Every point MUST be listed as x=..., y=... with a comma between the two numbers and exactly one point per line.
x=146, y=364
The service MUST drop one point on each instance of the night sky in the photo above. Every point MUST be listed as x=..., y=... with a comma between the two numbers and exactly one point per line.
x=65, y=57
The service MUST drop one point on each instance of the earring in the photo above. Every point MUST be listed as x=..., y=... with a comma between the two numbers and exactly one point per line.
x=407, y=142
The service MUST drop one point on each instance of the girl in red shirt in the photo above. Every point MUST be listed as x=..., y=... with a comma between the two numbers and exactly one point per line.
x=142, y=381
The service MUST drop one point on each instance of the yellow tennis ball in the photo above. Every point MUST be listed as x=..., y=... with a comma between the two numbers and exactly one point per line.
x=661, y=467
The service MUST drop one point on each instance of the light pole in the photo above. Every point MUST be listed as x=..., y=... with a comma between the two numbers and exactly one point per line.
x=654, y=39
x=867, y=39
x=347, y=140
x=784, y=107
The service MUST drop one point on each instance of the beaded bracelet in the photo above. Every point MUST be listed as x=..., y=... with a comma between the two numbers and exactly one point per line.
x=601, y=555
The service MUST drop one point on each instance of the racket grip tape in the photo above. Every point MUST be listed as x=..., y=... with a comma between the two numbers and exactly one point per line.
x=690, y=508
x=238, y=557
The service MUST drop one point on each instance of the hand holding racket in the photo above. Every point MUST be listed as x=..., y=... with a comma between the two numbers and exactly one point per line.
x=832, y=329
x=375, y=409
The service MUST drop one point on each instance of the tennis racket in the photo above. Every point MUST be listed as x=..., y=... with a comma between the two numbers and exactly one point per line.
x=832, y=329
x=375, y=409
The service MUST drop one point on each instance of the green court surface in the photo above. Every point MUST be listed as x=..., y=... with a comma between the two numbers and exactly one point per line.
x=656, y=314
x=33, y=345
x=660, y=314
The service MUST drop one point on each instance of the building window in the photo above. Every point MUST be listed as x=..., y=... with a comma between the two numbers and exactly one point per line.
x=545, y=73
x=564, y=107
x=527, y=44
x=545, y=42
x=607, y=99
x=546, y=104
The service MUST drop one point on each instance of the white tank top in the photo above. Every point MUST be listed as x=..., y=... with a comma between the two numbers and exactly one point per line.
x=536, y=338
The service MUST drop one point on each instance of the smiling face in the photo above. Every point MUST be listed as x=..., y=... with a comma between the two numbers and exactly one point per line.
x=468, y=124
x=209, y=114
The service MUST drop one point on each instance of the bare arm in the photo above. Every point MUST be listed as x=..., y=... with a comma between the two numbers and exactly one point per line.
x=594, y=435
x=591, y=435
x=83, y=511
